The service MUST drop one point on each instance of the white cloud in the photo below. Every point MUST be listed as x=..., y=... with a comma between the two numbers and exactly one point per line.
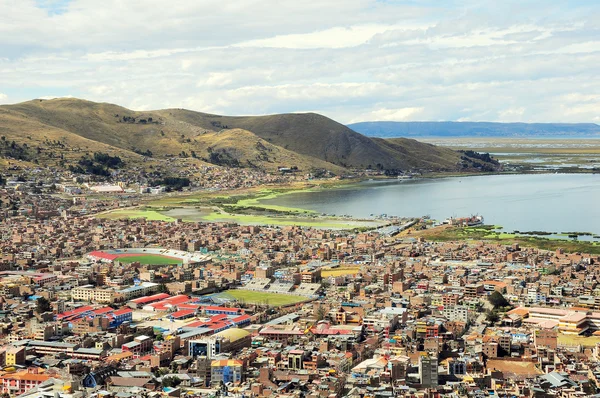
x=49, y=97
x=365, y=60
x=512, y=114
x=386, y=114
x=337, y=37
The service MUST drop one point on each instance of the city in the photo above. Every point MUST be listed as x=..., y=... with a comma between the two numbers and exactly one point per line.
x=285, y=311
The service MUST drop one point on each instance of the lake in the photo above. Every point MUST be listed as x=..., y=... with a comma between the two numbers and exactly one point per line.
x=527, y=202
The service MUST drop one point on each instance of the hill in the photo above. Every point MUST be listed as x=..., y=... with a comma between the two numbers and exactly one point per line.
x=82, y=126
x=318, y=136
x=474, y=129
x=62, y=131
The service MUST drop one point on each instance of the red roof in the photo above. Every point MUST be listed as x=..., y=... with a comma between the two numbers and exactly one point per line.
x=149, y=299
x=241, y=318
x=187, y=306
x=196, y=324
x=122, y=311
x=215, y=308
x=182, y=313
x=103, y=310
x=171, y=301
x=76, y=311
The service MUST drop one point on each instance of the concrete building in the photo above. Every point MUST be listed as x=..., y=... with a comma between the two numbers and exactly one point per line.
x=428, y=371
x=226, y=371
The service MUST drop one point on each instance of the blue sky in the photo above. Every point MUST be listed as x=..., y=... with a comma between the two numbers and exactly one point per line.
x=352, y=60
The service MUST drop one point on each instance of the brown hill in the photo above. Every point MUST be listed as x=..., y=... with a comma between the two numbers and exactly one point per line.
x=120, y=131
x=307, y=141
x=318, y=136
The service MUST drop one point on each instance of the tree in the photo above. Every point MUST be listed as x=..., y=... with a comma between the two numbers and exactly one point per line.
x=498, y=300
x=321, y=313
x=492, y=316
x=170, y=381
x=43, y=305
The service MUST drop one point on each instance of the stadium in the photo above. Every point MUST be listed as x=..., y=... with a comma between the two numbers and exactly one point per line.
x=148, y=256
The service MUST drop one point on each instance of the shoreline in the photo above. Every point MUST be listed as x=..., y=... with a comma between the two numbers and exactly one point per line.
x=246, y=205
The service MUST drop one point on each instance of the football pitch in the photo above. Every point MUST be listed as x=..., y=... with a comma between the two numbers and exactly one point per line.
x=148, y=259
x=252, y=297
x=339, y=271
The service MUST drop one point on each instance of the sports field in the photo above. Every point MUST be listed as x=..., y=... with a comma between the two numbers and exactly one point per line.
x=251, y=297
x=148, y=259
x=571, y=340
x=339, y=271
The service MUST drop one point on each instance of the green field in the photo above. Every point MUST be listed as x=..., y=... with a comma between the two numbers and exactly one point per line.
x=149, y=259
x=151, y=215
x=570, y=340
x=489, y=233
x=265, y=194
x=251, y=297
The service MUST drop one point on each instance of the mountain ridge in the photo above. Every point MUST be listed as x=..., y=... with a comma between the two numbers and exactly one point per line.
x=306, y=141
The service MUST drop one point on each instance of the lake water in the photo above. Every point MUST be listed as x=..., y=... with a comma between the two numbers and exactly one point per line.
x=543, y=202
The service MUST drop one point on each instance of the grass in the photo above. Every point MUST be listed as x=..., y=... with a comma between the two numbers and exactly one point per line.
x=149, y=259
x=148, y=214
x=325, y=273
x=256, y=202
x=569, y=339
x=249, y=219
x=446, y=234
x=272, y=299
x=154, y=214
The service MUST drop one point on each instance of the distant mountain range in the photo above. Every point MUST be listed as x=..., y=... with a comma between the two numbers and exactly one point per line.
x=473, y=129
x=75, y=133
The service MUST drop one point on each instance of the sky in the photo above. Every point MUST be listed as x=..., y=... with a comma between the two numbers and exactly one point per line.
x=351, y=60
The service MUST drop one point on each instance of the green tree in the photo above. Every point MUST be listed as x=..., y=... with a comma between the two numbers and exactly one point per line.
x=170, y=381
x=492, y=316
x=43, y=305
x=321, y=313
x=498, y=300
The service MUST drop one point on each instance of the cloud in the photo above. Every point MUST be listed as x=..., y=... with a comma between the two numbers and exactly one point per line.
x=49, y=97
x=337, y=37
x=385, y=114
x=368, y=60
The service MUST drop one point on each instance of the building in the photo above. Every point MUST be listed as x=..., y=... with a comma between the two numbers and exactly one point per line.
x=15, y=356
x=18, y=383
x=93, y=294
x=226, y=371
x=546, y=338
x=456, y=313
x=473, y=290
x=229, y=340
x=138, y=290
x=139, y=346
x=428, y=371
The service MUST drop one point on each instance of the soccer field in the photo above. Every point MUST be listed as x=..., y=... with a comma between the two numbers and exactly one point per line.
x=251, y=297
x=339, y=271
x=148, y=259
x=572, y=340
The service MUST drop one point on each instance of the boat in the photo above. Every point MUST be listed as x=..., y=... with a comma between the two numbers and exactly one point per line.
x=465, y=221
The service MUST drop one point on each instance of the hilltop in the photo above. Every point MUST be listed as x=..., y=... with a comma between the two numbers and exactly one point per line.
x=474, y=129
x=62, y=131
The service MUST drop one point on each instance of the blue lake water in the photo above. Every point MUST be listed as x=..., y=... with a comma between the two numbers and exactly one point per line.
x=541, y=202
